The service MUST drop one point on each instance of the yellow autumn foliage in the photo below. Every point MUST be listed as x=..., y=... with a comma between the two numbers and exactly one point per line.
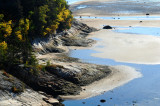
x=21, y=22
x=26, y=26
x=60, y=17
x=69, y=22
x=48, y=29
x=54, y=27
x=19, y=35
x=66, y=13
x=3, y=45
x=63, y=15
x=44, y=33
x=6, y=28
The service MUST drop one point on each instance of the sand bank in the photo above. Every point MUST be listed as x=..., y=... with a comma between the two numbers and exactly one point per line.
x=131, y=48
x=98, y=23
x=119, y=76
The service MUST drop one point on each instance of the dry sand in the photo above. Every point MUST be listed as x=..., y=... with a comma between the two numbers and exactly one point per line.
x=131, y=48
x=98, y=23
x=119, y=76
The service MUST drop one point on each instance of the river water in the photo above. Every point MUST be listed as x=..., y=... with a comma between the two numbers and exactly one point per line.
x=144, y=91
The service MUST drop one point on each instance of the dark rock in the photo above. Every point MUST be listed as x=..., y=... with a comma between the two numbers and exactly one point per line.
x=76, y=41
x=72, y=37
x=44, y=81
x=83, y=74
x=102, y=100
x=107, y=27
x=140, y=21
x=84, y=102
x=21, y=95
x=147, y=14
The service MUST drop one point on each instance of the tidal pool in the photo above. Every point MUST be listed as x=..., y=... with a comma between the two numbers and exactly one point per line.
x=139, y=30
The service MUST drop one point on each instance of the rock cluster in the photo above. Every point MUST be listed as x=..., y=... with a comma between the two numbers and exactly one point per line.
x=72, y=37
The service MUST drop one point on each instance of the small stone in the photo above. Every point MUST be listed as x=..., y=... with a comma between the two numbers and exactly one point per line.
x=84, y=102
x=147, y=14
x=102, y=100
x=52, y=100
x=107, y=27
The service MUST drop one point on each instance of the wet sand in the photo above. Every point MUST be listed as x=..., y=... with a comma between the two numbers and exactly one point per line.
x=119, y=76
x=114, y=7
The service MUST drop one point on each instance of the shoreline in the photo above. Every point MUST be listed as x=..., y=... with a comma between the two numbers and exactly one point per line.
x=63, y=77
x=119, y=76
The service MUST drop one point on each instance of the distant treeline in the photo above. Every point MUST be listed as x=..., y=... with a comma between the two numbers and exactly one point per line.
x=21, y=20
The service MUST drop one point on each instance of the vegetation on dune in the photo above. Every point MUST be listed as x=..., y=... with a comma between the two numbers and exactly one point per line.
x=23, y=20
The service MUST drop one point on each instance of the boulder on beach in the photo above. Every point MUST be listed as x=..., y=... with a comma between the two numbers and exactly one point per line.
x=147, y=13
x=107, y=27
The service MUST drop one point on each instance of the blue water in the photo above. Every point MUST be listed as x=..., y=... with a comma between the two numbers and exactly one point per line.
x=140, y=30
x=142, y=92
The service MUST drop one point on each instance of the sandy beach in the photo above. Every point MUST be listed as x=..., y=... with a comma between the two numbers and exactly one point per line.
x=98, y=23
x=121, y=47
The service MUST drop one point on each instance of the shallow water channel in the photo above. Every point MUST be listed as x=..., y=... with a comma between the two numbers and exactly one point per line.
x=143, y=91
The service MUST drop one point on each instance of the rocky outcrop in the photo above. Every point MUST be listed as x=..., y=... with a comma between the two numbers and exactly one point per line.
x=72, y=37
x=79, y=73
x=44, y=81
x=13, y=92
x=65, y=77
